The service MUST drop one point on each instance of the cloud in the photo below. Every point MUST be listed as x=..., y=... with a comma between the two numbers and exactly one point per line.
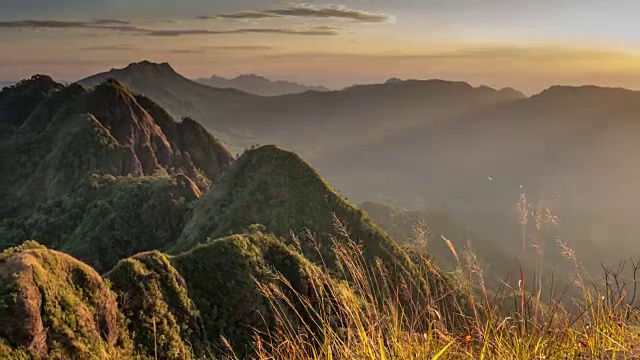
x=124, y=26
x=327, y=28
x=243, y=15
x=277, y=31
x=241, y=47
x=309, y=11
x=101, y=24
x=111, y=22
x=109, y=48
x=187, y=51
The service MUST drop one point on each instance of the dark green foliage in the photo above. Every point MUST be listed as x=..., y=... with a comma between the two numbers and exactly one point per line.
x=103, y=175
x=19, y=100
x=220, y=278
x=276, y=188
x=85, y=148
x=108, y=219
x=153, y=297
x=207, y=293
x=180, y=306
x=44, y=113
x=131, y=215
x=52, y=305
x=69, y=174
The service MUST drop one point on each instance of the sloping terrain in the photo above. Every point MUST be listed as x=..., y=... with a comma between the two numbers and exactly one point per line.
x=178, y=307
x=180, y=96
x=277, y=189
x=422, y=231
x=448, y=145
x=97, y=175
x=18, y=101
x=53, y=306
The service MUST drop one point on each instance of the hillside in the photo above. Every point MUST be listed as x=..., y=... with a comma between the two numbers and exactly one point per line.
x=103, y=174
x=122, y=131
x=100, y=174
x=259, y=85
x=196, y=312
x=150, y=293
x=550, y=142
x=54, y=306
x=205, y=255
x=415, y=127
x=277, y=189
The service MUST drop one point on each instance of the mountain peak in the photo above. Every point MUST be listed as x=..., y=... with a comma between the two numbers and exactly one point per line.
x=393, y=80
x=512, y=93
x=147, y=66
x=18, y=101
x=588, y=94
x=251, y=77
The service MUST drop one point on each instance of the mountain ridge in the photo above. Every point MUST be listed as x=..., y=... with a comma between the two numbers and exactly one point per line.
x=259, y=85
x=122, y=175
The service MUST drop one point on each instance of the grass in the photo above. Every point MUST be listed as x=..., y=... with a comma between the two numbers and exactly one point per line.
x=259, y=296
x=602, y=324
x=313, y=315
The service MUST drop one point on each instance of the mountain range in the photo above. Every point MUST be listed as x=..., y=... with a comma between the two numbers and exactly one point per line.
x=259, y=85
x=440, y=145
x=130, y=228
x=132, y=209
x=325, y=126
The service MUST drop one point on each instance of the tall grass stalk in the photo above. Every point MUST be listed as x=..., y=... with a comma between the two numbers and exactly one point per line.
x=366, y=318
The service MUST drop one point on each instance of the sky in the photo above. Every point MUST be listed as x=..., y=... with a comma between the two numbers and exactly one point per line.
x=529, y=45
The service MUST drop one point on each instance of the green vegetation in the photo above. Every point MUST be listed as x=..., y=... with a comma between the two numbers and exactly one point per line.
x=208, y=298
x=277, y=189
x=153, y=297
x=75, y=172
x=18, y=101
x=109, y=218
x=269, y=263
x=52, y=305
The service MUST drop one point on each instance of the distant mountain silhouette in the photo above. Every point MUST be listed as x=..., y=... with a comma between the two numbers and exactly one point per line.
x=179, y=96
x=311, y=122
x=259, y=85
x=433, y=143
x=575, y=145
